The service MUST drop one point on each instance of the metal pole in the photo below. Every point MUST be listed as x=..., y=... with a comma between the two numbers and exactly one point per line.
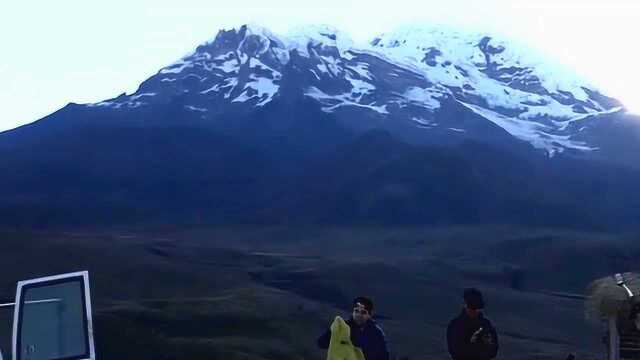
x=620, y=282
x=32, y=302
x=614, y=340
x=629, y=292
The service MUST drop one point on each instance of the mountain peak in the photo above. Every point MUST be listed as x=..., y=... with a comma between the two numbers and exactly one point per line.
x=433, y=45
x=297, y=38
x=300, y=37
x=412, y=78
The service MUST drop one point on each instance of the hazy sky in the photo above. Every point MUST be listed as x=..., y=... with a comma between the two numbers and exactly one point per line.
x=56, y=52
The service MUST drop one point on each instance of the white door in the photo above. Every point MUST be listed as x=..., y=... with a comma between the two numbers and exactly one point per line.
x=52, y=319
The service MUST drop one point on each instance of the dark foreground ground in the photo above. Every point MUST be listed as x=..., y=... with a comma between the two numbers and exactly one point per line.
x=267, y=293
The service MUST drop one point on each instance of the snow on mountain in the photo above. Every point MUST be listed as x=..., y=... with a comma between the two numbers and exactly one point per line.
x=505, y=83
x=412, y=75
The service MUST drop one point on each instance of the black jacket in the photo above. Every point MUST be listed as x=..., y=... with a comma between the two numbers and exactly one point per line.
x=370, y=338
x=459, y=334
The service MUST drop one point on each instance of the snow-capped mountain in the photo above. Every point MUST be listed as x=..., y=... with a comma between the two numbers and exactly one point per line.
x=419, y=126
x=427, y=84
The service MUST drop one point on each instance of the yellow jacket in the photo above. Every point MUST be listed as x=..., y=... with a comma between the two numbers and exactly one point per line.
x=340, y=346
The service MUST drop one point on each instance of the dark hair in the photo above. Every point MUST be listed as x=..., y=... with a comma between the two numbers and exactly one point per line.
x=473, y=298
x=367, y=302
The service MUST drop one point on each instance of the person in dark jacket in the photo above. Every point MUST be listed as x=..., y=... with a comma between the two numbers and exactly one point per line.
x=365, y=333
x=471, y=336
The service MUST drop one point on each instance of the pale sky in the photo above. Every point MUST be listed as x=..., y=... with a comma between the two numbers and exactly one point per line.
x=56, y=52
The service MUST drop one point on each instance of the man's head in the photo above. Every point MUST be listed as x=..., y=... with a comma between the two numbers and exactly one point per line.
x=473, y=302
x=362, y=310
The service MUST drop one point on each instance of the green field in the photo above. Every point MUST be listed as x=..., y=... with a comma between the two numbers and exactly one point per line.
x=268, y=292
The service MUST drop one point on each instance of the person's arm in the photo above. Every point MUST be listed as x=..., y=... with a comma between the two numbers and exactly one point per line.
x=458, y=348
x=382, y=348
x=487, y=344
x=451, y=341
x=324, y=339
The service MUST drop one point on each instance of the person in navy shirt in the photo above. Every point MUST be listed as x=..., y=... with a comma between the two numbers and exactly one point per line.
x=365, y=333
x=471, y=336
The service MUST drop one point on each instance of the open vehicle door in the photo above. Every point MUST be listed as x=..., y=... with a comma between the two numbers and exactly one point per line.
x=52, y=319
